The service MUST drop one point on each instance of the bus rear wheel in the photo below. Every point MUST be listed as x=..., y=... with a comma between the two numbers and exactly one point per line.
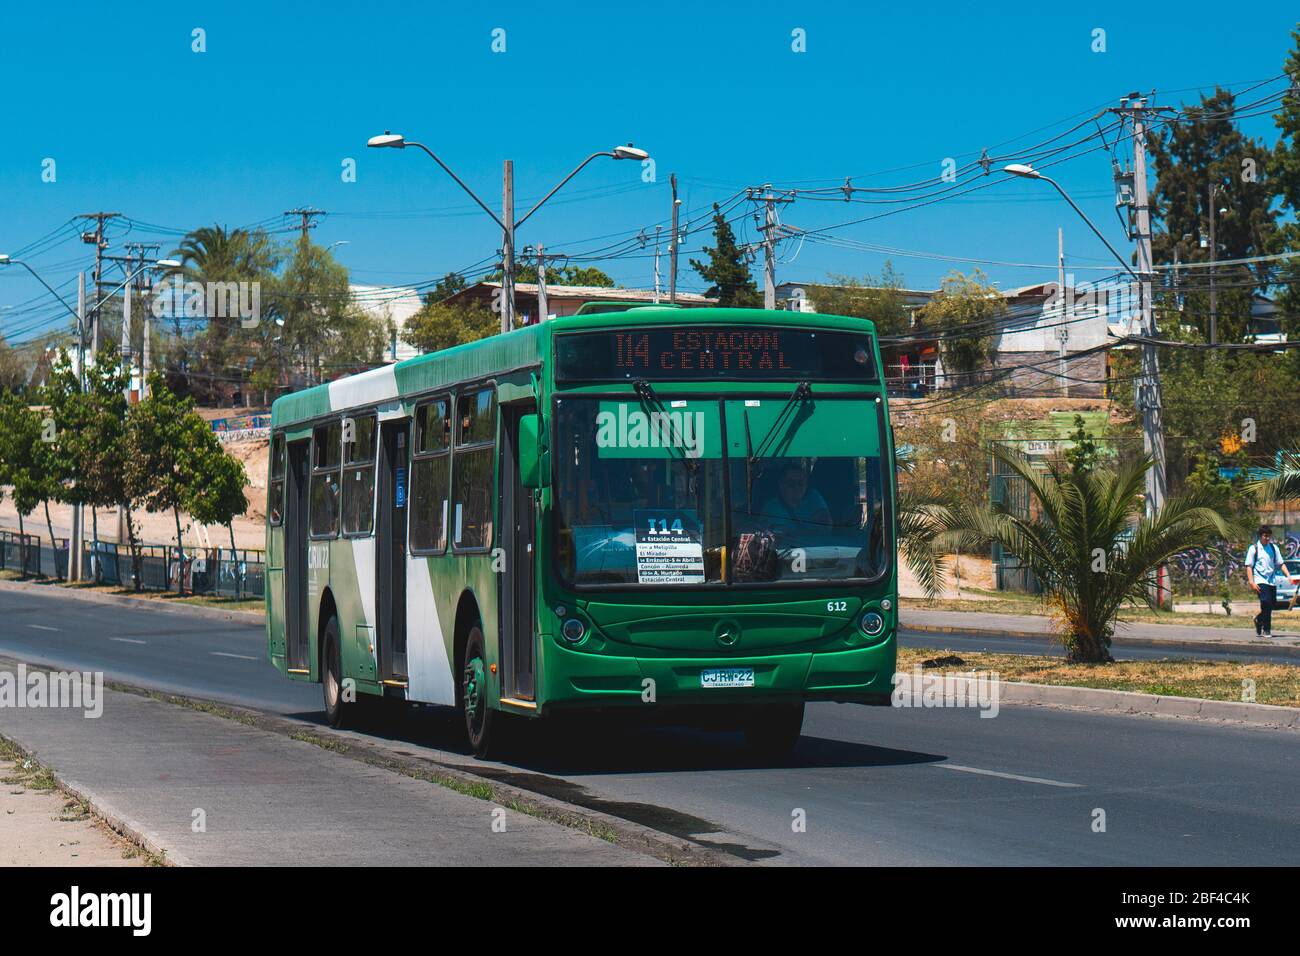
x=772, y=730
x=338, y=711
x=482, y=723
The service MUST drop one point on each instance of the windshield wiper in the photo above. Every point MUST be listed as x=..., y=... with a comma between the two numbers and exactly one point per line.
x=802, y=392
x=645, y=391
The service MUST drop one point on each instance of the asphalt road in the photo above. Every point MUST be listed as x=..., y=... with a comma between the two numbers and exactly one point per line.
x=870, y=785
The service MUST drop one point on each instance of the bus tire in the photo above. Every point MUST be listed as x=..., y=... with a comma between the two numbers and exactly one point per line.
x=482, y=723
x=773, y=730
x=338, y=712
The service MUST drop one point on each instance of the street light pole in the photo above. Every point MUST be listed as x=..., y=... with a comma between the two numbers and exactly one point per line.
x=507, y=221
x=508, y=249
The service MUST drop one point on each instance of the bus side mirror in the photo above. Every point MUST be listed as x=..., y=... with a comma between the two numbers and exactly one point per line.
x=533, y=472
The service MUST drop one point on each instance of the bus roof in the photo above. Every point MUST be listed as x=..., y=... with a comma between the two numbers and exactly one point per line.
x=514, y=350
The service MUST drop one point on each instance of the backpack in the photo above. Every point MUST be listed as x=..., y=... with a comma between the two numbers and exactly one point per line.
x=756, y=557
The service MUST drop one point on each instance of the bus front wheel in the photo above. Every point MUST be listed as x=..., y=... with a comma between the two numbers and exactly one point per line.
x=773, y=729
x=482, y=723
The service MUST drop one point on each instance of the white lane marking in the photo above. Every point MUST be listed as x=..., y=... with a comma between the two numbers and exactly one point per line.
x=242, y=657
x=42, y=627
x=127, y=640
x=1009, y=776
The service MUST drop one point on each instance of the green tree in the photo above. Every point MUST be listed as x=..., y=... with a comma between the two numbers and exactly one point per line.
x=440, y=325
x=727, y=272
x=964, y=313
x=324, y=328
x=216, y=494
x=13, y=368
x=558, y=275
x=1207, y=161
x=1089, y=544
x=878, y=298
x=224, y=353
x=1284, y=180
x=22, y=459
x=89, y=452
x=1084, y=454
x=167, y=443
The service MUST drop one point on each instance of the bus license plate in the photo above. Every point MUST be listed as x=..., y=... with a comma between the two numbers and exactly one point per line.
x=727, y=677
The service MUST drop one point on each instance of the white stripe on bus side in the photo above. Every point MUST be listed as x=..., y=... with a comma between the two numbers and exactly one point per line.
x=368, y=388
x=428, y=670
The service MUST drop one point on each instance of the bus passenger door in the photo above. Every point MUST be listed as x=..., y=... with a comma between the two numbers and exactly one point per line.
x=518, y=523
x=297, y=656
x=392, y=485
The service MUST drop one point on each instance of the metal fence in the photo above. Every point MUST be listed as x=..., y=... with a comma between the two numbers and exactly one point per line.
x=219, y=572
x=20, y=552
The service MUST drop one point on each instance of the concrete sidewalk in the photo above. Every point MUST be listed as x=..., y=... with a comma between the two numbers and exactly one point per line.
x=1133, y=634
x=265, y=799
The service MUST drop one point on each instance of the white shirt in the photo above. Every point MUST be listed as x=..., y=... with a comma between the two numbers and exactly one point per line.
x=1265, y=562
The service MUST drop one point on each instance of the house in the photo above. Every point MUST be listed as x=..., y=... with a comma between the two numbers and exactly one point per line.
x=567, y=299
x=392, y=305
x=1028, y=348
x=1045, y=342
x=911, y=366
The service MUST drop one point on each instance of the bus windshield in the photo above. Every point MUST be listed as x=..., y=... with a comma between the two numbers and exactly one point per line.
x=647, y=495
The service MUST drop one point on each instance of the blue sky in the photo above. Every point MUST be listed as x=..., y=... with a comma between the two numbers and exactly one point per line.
x=136, y=122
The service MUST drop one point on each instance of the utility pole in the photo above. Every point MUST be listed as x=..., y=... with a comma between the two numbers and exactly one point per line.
x=1214, y=255
x=674, y=243
x=97, y=238
x=769, y=244
x=1062, y=330
x=144, y=285
x=75, y=541
x=1148, y=384
x=657, y=229
x=543, y=310
x=508, y=247
x=307, y=216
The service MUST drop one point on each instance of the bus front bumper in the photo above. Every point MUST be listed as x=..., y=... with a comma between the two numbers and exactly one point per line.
x=860, y=674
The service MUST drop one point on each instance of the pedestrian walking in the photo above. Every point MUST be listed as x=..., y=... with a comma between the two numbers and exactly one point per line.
x=1264, y=571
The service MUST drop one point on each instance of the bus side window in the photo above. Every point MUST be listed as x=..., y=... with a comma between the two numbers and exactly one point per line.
x=326, y=449
x=472, y=469
x=429, y=478
x=359, y=476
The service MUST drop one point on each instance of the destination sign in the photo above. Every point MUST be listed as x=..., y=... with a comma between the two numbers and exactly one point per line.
x=725, y=352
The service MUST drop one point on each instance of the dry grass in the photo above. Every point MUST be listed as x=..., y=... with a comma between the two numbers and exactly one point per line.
x=1004, y=602
x=1207, y=680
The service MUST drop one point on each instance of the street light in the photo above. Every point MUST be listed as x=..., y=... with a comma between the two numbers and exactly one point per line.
x=7, y=260
x=1028, y=172
x=507, y=222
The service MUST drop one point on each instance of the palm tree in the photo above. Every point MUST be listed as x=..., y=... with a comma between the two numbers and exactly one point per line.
x=1090, y=546
x=921, y=523
x=217, y=254
x=1285, y=484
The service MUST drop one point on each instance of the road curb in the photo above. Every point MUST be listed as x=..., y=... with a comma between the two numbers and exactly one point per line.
x=658, y=844
x=156, y=604
x=1269, y=716
x=127, y=827
x=1252, y=647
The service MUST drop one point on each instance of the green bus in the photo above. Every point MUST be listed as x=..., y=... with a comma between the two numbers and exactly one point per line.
x=682, y=509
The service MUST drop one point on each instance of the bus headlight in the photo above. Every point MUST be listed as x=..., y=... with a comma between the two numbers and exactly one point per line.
x=872, y=624
x=573, y=630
